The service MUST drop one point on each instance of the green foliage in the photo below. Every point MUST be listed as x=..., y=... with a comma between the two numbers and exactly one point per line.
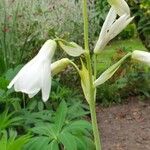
x=140, y=9
x=10, y=141
x=62, y=131
x=129, y=32
x=7, y=120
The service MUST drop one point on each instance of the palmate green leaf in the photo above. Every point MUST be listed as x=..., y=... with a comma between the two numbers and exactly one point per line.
x=13, y=142
x=45, y=129
x=71, y=48
x=89, y=143
x=68, y=141
x=84, y=142
x=7, y=120
x=53, y=145
x=79, y=109
x=79, y=125
x=110, y=71
x=37, y=143
x=61, y=114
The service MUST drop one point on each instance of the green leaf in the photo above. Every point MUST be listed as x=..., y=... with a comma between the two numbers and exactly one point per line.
x=68, y=141
x=79, y=125
x=40, y=106
x=89, y=143
x=46, y=129
x=37, y=143
x=60, y=116
x=81, y=144
x=32, y=104
x=84, y=74
x=53, y=145
x=71, y=48
x=110, y=71
x=13, y=143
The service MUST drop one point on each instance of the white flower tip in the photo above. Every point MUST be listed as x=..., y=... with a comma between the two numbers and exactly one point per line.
x=45, y=99
x=51, y=42
x=100, y=45
x=142, y=56
x=120, y=6
x=9, y=86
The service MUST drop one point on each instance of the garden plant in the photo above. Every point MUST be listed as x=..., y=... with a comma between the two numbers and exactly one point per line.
x=37, y=74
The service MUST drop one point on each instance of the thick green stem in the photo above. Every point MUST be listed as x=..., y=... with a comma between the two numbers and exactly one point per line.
x=92, y=88
x=95, y=126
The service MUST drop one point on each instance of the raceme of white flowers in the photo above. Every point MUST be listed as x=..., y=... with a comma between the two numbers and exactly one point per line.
x=141, y=56
x=36, y=74
x=113, y=26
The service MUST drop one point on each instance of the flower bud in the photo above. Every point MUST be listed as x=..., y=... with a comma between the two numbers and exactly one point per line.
x=59, y=65
x=141, y=56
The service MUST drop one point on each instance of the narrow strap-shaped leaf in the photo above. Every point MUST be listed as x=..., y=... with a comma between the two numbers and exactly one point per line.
x=110, y=71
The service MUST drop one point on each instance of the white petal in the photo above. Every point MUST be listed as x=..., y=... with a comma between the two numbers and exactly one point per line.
x=141, y=56
x=28, y=80
x=28, y=65
x=119, y=25
x=47, y=50
x=103, y=37
x=120, y=6
x=33, y=94
x=111, y=17
x=100, y=45
x=46, y=80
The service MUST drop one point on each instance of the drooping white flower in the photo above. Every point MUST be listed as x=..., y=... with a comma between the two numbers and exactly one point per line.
x=36, y=74
x=141, y=56
x=120, y=6
x=111, y=28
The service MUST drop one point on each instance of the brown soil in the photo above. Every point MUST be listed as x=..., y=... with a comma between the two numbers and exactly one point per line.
x=125, y=127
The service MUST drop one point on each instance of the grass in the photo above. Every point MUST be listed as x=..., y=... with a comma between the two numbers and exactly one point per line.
x=122, y=46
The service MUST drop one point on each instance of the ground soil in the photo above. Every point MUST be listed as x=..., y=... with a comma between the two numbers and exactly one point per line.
x=126, y=126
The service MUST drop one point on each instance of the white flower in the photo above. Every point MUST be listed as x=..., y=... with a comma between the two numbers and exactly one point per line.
x=141, y=56
x=36, y=74
x=120, y=6
x=111, y=28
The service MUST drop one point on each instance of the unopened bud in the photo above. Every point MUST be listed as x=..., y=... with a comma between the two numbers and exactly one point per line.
x=59, y=65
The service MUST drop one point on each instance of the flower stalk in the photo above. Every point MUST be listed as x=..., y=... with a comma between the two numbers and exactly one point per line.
x=92, y=100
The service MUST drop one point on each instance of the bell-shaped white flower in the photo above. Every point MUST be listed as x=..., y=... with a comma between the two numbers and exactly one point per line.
x=111, y=28
x=120, y=6
x=36, y=74
x=141, y=56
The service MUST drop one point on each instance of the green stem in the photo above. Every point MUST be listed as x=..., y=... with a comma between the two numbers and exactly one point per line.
x=92, y=88
x=95, y=64
x=95, y=127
